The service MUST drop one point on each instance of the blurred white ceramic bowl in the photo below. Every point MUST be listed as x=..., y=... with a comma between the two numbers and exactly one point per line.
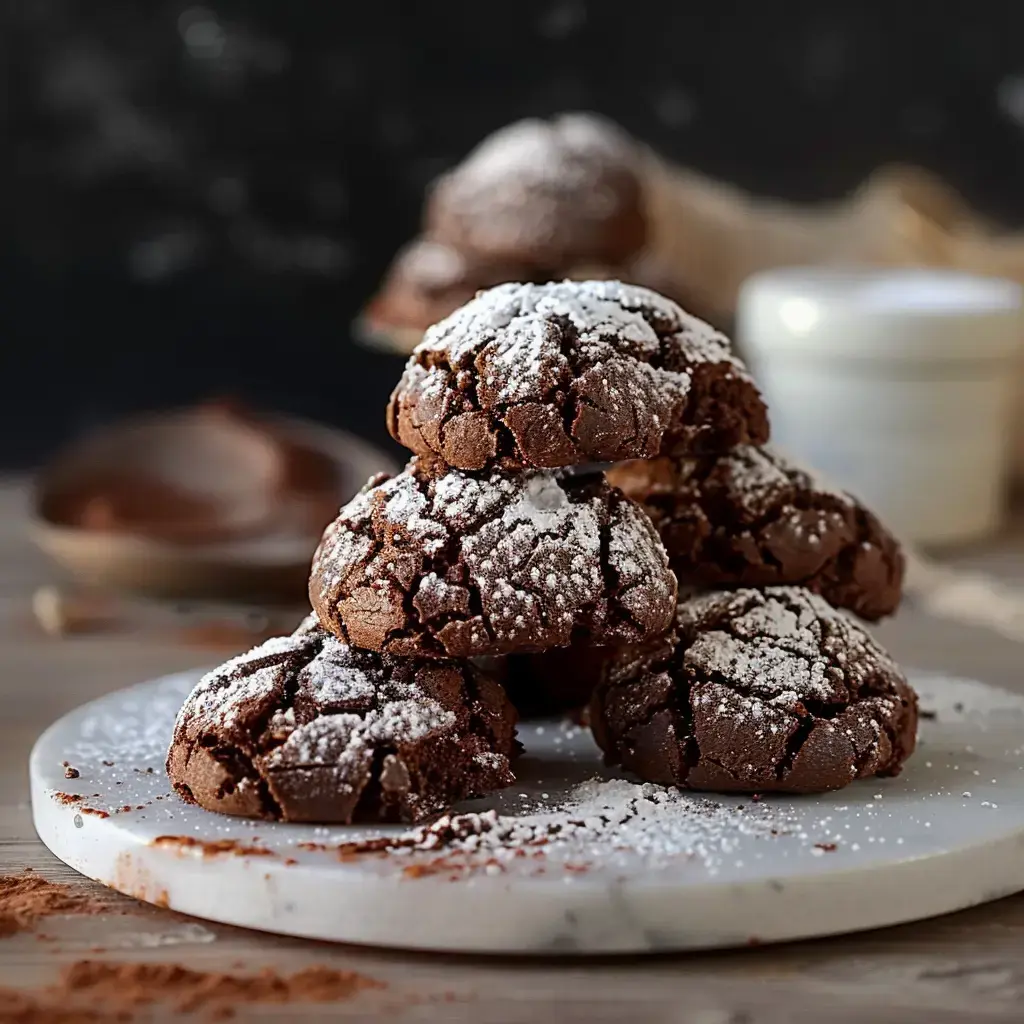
x=898, y=383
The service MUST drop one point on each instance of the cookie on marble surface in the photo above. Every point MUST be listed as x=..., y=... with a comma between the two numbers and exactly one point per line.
x=574, y=372
x=305, y=728
x=439, y=562
x=752, y=517
x=758, y=691
x=544, y=194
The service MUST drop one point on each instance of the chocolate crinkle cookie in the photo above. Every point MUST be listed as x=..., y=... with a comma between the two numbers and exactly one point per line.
x=751, y=517
x=428, y=279
x=759, y=690
x=544, y=193
x=444, y=563
x=561, y=374
x=305, y=728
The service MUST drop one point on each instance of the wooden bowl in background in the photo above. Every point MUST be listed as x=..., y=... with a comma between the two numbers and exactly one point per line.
x=207, y=503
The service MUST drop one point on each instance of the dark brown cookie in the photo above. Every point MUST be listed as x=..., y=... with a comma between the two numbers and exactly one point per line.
x=428, y=280
x=304, y=728
x=754, y=518
x=443, y=563
x=554, y=682
x=544, y=194
x=562, y=374
x=760, y=690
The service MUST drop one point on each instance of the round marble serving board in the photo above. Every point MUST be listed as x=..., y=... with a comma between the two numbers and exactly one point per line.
x=946, y=834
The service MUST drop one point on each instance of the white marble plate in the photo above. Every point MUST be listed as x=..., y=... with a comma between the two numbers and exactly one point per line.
x=946, y=834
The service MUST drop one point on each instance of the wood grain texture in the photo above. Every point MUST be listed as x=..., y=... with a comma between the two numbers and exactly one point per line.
x=965, y=967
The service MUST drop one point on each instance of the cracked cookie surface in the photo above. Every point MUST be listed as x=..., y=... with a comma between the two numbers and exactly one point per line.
x=752, y=517
x=305, y=728
x=449, y=564
x=562, y=374
x=758, y=691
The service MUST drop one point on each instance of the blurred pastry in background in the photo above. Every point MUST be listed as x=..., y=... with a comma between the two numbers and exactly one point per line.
x=545, y=194
x=425, y=282
x=536, y=201
x=575, y=197
x=218, y=500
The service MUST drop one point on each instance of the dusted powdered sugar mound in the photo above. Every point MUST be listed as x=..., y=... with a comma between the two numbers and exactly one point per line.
x=444, y=563
x=545, y=193
x=559, y=374
x=305, y=728
x=643, y=823
x=753, y=517
x=758, y=690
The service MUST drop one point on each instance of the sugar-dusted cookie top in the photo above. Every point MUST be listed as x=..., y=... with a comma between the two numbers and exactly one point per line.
x=752, y=517
x=439, y=562
x=305, y=728
x=758, y=690
x=560, y=374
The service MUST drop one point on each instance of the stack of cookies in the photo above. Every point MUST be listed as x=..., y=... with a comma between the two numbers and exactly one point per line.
x=591, y=514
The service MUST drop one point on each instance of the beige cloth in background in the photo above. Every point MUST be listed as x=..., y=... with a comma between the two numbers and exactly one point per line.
x=705, y=237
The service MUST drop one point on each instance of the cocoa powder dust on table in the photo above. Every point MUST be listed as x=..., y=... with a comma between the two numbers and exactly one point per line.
x=113, y=988
x=18, y=1007
x=26, y=899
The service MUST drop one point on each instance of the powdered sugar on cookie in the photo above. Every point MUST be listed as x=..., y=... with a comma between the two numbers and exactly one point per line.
x=557, y=374
x=464, y=565
x=308, y=729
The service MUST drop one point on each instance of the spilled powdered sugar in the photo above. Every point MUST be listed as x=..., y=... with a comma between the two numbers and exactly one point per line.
x=640, y=821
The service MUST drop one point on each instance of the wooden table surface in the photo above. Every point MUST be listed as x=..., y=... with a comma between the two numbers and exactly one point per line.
x=965, y=967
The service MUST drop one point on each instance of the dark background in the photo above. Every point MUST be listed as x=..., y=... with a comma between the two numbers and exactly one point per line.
x=200, y=198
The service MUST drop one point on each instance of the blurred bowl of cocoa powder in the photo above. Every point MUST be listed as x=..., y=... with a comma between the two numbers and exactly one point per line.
x=217, y=501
